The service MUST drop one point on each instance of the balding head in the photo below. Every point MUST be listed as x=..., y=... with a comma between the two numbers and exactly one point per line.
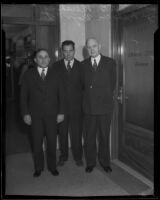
x=93, y=47
x=91, y=39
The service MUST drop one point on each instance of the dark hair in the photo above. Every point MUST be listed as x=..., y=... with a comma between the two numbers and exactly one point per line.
x=39, y=50
x=67, y=43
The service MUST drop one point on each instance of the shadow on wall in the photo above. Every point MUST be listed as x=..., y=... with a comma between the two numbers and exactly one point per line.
x=85, y=52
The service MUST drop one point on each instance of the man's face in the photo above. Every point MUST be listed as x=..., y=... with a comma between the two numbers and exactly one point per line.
x=42, y=59
x=68, y=52
x=93, y=47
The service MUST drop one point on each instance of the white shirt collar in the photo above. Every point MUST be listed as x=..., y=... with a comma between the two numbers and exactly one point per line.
x=40, y=70
x=71, y=62
x=96, y=58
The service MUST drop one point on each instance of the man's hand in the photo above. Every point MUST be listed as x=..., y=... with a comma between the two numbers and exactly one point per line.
x=27, y=119
x=60, y=118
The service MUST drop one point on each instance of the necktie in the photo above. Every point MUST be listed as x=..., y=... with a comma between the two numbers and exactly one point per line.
x=95, y=65
x=69, y=66
x=43, y=74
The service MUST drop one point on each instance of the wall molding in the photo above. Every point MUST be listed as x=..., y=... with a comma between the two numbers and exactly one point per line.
x=134, y=173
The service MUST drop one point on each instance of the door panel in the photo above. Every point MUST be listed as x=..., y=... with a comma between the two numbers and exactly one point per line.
x=27, y=28
x=137, y=89
x=19, y=49
x=138, y=42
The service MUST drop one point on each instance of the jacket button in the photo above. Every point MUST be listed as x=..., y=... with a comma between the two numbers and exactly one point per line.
x=90, y=86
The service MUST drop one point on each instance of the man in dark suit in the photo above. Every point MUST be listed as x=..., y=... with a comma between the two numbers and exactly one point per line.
x=70, y=70
x=99, y=82
x=42, y=107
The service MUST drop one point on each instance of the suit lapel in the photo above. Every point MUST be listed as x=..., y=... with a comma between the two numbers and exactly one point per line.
x=100, y=63
x=63, y=66
x=90, y=64
x=74, y=65
x=63, y=70
x=48, y=74
x=89, y=71
x=38, y=78
x=36, y=75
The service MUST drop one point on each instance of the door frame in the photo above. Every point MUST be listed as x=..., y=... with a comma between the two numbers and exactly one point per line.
x=34, y=20
x=116, y=40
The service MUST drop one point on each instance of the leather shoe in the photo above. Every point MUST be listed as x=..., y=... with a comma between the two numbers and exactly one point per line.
x=54, y=172
x=37, y=173
x=79, y=163
x=107, y=169
x=89, y=169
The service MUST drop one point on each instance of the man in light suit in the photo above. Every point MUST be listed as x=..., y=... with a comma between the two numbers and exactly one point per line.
x=70, y=74
x=99, y=74
x=42, y=106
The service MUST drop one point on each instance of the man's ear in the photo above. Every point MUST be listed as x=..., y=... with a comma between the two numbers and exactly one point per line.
x=35, y=60
x=99, y=46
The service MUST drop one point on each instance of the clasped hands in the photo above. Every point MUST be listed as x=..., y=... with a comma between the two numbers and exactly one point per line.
x=28, y=120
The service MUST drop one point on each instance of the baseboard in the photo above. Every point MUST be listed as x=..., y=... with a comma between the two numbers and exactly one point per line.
x=134, y=173
x=147, y=192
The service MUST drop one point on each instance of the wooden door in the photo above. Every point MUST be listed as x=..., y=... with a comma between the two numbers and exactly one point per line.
x=136, y=89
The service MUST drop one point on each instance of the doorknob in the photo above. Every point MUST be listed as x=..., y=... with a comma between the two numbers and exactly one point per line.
x=120, y=96
x=126, y=97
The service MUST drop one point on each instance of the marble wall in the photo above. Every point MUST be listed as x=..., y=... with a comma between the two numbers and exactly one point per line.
x=98, y=25
x=72, y=26
x=80, y=21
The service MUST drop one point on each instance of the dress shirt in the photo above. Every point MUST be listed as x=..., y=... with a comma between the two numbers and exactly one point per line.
x=40, y=70
x=71, y=62
x=96, y=58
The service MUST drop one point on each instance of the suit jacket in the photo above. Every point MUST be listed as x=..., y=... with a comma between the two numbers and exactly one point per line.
x=41, y=97
x=99, y=86
x=72, y=82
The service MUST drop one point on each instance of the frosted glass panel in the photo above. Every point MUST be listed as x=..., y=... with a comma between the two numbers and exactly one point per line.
x=139, y=70
x=17, y=11
x=48, y=12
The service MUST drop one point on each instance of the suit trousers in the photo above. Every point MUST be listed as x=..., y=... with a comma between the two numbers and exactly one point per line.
x=72, y=124
x=44, y=126
x=97, y=125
